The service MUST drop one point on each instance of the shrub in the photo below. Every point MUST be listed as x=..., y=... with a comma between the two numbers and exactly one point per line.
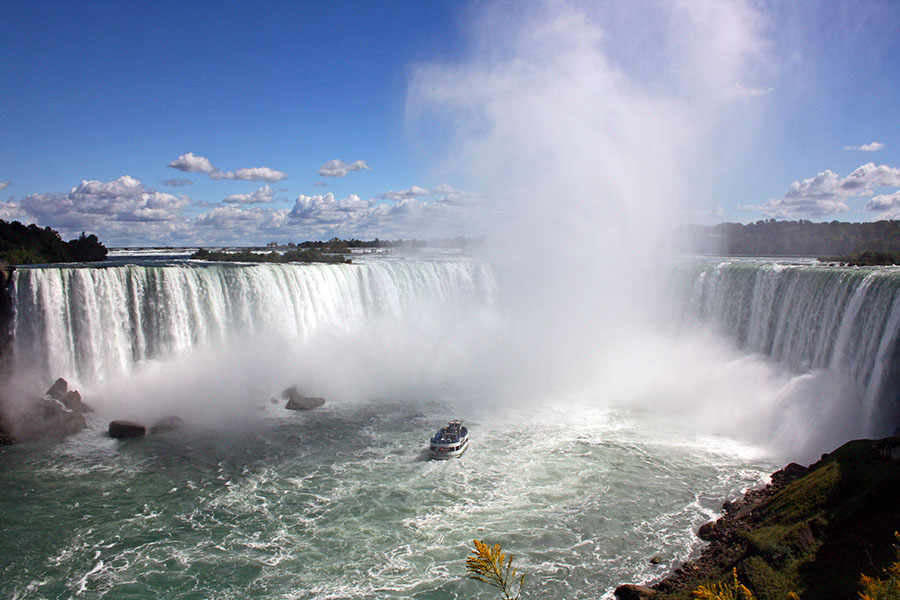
x=490, y=565
x=733, y=590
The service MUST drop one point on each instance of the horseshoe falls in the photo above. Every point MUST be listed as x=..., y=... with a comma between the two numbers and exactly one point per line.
x=833, y=327
x=584, y=461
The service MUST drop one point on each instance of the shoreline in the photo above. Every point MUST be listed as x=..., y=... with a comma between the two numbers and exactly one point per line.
x=811, y=531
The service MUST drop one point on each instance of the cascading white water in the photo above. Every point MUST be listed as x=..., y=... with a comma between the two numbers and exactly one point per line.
x=89, y=324
x=808, y=318
x=383, y=326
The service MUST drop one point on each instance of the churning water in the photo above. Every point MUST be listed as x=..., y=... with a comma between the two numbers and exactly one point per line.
x=339, y=503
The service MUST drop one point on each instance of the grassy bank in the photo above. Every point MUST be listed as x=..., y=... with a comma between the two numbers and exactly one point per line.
x=814, y=536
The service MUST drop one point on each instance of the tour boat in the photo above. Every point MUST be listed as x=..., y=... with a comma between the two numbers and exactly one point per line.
x=450, y=441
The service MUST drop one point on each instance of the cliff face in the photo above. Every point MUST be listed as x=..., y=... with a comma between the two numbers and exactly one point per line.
x=6, y=308
x=811, y=532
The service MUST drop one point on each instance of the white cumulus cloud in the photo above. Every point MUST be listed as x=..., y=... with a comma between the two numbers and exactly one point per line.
x=4, y=184
x=11, y=211
x=887, y=204
x=200, y=164
x=263, y=194
x=407, y=193
x=97, y=205
x=192, y=164
x=251, y=174
x=827, y=193
x=872, y=147
x=338, y=168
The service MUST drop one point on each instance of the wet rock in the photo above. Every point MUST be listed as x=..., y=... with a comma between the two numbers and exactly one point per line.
x=70, y=398
x=304, y=403
x=6, y=434
x=126, y=429
x=708, y=532
x=6, y=271
x=656, y=560
x=789, y=474
x=630, y=591
x=58, y=389
x=297, y=401
x=46, y=419
x=167, y=424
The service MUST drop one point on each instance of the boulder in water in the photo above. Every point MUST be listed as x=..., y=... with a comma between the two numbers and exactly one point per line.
x=58, y=389
x=167, y=424
x=708, y=532
x=297, y=401
x=70, y=398
x=6, y=434
x=45, y=419
x=126, y=429
x=630, y=591
x=304, y=403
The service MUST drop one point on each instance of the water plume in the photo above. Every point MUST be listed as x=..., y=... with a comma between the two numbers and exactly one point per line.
x=593, y=131
x=588, y=146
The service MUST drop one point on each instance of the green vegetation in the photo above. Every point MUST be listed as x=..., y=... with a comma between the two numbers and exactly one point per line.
x=788, y=238
x=23, y=245
x=816, y=535
x=724, y=590
x=490, y=565
x=867, y=258
x=886, y=587
x=305, y=255
x=339, y=245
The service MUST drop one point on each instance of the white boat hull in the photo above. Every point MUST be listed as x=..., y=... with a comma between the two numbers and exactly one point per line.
x=447, y=451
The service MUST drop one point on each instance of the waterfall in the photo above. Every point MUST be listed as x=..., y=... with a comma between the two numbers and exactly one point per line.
x=89, y=324
x=807, y=318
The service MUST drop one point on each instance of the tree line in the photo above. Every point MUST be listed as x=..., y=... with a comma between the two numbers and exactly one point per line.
x=29, y=244
x=788, y=238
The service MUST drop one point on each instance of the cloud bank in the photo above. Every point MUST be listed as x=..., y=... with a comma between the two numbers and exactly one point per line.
x=125, y=212
x=827, y=193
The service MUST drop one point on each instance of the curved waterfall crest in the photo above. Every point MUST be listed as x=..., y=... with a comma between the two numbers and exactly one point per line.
x=92, y=323
x=807, y=317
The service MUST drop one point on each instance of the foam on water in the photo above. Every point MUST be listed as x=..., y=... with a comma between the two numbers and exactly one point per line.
x=338, y=503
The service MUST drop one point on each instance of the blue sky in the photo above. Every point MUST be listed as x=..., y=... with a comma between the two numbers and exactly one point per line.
x=224, y=123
